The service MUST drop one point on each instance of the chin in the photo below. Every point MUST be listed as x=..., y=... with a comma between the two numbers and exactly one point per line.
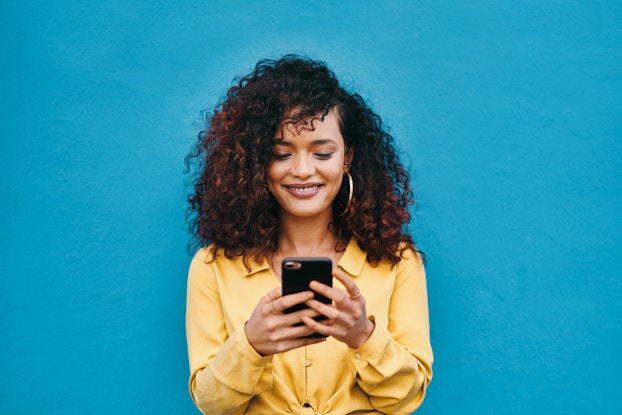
x=307, y=213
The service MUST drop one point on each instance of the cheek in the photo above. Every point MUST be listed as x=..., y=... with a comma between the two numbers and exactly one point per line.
x=338, y=171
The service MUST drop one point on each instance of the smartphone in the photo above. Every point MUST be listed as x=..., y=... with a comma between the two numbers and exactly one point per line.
x=297, y=273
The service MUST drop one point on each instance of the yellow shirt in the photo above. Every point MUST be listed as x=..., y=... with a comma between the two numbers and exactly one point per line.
x=388, y=374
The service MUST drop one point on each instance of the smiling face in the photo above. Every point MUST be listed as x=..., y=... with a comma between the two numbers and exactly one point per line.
x=307, y=167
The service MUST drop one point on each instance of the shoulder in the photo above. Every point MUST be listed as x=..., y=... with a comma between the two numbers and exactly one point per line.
x=210, y=260
x=203, y=257
x=207, y=260
x=205, y=254
x=411, y=266
x=407, y=252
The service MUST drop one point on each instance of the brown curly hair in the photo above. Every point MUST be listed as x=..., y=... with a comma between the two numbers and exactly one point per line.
x=231, y=206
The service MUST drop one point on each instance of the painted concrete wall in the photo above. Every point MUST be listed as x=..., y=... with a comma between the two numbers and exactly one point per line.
x=510, y=113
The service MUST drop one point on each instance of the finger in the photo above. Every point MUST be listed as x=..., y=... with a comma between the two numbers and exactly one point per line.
x=275, y=294
x=296, y=337
x=271, y=296
x=304, y=341
x=318, y=327
x=353, y=290
x=337, y=295
x=327, y=291
x=290, y=300
x=291, y=326
x=296, y=316
x=300, y=331
x=326, y=310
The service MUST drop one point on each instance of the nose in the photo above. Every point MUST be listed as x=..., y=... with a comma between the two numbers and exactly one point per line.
x=303, y=167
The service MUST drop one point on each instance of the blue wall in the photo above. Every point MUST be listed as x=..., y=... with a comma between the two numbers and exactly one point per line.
x=510, y=113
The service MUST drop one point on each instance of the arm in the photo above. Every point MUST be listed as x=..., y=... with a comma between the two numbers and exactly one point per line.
x=225, y=371
x=394, y=367
x=391, y=362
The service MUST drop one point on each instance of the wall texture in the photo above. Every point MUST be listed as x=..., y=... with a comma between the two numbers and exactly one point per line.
x=510, y=114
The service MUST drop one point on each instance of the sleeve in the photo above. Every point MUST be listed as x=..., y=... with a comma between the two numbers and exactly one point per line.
x=394, y=367
x=225, y=371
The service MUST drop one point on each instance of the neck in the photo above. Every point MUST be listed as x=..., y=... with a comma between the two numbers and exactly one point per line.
x=302, y=237
x=307, y=240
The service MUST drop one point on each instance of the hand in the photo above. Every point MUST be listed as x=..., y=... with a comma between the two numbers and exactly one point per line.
x=347, y=320
x=269, y=331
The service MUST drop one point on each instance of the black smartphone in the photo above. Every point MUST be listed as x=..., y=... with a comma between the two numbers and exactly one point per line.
x=297, y=273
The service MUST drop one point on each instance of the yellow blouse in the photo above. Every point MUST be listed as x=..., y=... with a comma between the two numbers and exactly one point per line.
x=388, y=374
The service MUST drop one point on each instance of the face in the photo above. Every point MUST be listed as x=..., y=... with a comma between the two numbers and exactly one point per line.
x=307, y=168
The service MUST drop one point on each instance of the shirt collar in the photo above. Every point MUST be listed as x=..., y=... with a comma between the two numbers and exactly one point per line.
x=353, y=258
x=255, y=267
x=352, y=261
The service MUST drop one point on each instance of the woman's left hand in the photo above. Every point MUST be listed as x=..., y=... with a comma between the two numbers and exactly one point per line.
x=347, y=318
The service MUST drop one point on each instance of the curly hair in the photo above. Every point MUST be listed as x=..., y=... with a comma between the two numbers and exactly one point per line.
x=231, y=206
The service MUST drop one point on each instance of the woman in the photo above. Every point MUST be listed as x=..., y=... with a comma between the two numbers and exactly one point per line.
x=292, y=165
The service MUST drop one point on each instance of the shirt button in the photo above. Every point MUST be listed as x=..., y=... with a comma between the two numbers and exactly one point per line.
x=307, y=363
x=358, y=356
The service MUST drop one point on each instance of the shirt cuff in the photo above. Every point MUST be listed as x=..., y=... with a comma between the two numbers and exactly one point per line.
x=245, y=349
x=237, y=349
x=373, y=348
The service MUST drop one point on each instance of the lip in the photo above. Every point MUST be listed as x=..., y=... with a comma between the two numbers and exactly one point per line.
x=303, y=191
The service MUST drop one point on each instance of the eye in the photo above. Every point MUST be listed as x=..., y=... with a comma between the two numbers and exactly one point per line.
x=280, y=156
x=324, y=156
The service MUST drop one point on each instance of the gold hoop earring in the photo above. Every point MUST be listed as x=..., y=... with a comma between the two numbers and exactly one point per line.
x=351, y=192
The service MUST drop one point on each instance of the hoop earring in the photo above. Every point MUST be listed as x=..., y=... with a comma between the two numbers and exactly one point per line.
x=351, y=192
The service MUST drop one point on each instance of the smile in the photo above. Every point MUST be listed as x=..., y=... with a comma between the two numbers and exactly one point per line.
x=303, y=189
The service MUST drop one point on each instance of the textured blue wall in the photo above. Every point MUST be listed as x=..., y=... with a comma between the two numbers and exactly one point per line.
x=510, y=113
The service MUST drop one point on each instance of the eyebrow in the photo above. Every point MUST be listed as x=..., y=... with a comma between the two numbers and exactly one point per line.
x=281, y=142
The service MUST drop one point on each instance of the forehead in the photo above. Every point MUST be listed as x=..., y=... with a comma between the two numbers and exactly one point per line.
x=321, y=126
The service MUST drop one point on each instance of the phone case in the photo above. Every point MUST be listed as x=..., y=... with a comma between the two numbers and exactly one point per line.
x=296, y=275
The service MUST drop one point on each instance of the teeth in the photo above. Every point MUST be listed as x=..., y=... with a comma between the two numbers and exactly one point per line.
x=304, y=189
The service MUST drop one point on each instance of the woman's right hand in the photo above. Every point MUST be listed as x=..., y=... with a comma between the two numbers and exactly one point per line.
x=269, y=331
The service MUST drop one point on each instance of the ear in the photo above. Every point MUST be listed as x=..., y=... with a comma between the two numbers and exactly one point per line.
x=349, y=155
